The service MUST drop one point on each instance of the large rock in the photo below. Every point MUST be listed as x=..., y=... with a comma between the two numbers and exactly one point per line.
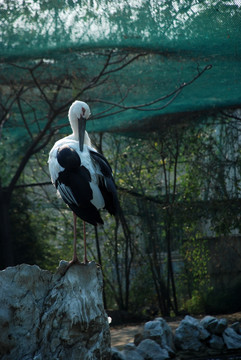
x=159, y=331
x=213, y=325
x=133, y=355
x=129, y=353
x=232, y=339
x=209, y=323
x=116, y=354
x=190, y=334
x=216, y=342
x=236, y=327
x=221, y=326
x=150, y=350
x=45, y=316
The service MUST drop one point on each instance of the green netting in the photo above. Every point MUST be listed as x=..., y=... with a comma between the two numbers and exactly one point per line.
x=51, y=51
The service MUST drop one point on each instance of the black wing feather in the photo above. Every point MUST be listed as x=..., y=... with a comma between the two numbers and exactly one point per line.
x=106, y=183
x=73, y=184
x=68, y=157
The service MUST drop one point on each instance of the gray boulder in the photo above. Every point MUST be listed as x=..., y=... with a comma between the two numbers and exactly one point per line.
x=132, y=354
x=116, y=354
x=150, y=350
x=216, y=342
x=129, y=347
x=190, y=334
x=24, y=289
x=159, y=331
x=221, y=326
x=209, y=323
x=232, y=339
x=213, y=325
x=236, y=327
x=46, y=316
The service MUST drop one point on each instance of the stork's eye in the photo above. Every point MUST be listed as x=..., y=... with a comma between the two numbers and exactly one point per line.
x=83, y=110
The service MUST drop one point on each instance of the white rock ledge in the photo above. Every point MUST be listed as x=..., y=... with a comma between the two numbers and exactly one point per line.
x=45, y=316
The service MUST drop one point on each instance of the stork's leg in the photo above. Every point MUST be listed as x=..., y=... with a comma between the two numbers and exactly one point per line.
x=75, y=258
x=85, y=249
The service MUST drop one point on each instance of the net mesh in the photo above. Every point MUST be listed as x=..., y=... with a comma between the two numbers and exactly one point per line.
x=137, y=63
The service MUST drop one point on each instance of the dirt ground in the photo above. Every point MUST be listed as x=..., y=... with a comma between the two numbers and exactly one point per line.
x=121, y=335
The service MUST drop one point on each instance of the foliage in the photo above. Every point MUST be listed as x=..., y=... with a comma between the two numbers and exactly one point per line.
x=167, y=203
x=195, y=305
x=27, y=246
x=178, y=174
x=169, y=200
x=196, y=257
x=34, y=231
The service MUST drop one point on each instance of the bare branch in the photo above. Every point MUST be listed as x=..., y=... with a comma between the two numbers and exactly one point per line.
x=27, y=68
x=125, y=64
x=24, y=119
x=6, y=110
x=33, y=184
x=30, y=151
x=41, y=90
x=142, y=107
x=119, y=60
x=45, y=134
x=232, y=116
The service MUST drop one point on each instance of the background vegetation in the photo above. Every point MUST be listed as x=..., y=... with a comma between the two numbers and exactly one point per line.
x=157, y=76
x=178, y=189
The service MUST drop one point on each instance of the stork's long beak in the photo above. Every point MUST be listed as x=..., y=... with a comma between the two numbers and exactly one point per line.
x=81, y=128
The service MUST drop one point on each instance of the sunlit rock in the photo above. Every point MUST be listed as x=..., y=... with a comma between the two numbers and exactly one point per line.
x=45, y=316
x=159, y=331
x=190, y=334
x=149, y=349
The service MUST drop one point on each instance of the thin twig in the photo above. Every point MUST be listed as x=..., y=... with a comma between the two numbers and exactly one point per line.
x=174, y=94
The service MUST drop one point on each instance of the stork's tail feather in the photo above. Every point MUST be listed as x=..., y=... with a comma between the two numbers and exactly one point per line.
x=90, y=215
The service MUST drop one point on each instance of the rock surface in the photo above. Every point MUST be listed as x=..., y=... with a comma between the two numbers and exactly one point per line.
x=216, y=342
x=232, y=339
x=45, y=316
x=214, y=325
x=149, y=349
x=190, y=334
x=131, y=352
x=159, y=331
x=193, y=338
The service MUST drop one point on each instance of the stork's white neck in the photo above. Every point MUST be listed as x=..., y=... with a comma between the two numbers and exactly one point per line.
x=75, y=136
x=78, y=110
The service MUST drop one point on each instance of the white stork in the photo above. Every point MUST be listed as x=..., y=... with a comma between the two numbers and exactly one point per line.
x=81, y=175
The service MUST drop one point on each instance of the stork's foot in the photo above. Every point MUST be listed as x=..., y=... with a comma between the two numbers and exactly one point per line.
x=74, y=261
x=86, y=261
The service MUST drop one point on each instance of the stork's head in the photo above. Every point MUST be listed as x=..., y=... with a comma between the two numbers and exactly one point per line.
x=79, y=112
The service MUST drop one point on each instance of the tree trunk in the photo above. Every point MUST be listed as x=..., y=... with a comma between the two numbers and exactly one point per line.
x=6, y=245
x=170, y=270
x=128, y=256
x=160, y=288
x=120, y=300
